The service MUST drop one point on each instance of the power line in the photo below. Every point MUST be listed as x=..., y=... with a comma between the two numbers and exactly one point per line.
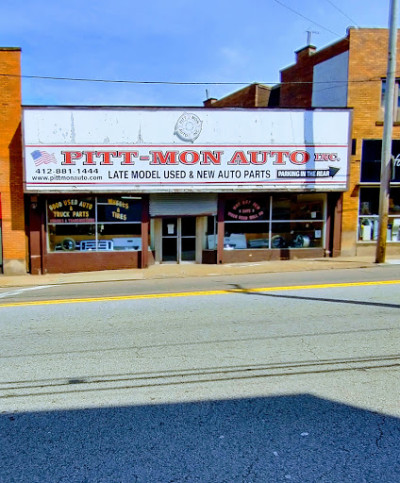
x=343, y=13
x=306, y=18
x=125, y=81
x=183, y=83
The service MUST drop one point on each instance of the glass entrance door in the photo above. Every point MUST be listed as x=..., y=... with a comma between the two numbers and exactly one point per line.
x=169, y=244
x=188, y=239
x=178, y=239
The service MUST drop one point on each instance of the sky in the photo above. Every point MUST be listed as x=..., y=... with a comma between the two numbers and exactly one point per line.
x=167, y=52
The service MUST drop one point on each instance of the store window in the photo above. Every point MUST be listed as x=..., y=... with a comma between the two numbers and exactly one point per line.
x=278, y=221
x=371, y=160
x=368, y=219
x=298, y=221
x=246, y=223
x=109, y=223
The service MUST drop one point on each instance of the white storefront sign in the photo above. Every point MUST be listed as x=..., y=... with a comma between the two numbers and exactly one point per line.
x=179, y=150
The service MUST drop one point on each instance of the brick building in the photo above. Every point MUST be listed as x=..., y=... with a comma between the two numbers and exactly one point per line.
x=110, y=188
x=352, y=73
x=98, y=188
x=94, y=188
x=254, y=95
x=349, y=74
x=13, y=241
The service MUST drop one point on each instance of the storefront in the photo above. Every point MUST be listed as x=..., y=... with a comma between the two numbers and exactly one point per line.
x=369, y=189
x=112, y=188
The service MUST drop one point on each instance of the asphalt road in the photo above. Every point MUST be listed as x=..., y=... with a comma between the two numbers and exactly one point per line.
x=220, y=282
x=269, y=378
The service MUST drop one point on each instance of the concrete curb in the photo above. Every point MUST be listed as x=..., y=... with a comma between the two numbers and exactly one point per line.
x=187, y=270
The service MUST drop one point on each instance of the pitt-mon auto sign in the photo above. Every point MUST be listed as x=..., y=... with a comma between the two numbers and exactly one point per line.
x=165, y=150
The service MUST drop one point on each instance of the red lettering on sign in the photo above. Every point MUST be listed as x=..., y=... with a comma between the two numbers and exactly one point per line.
x=239, y=158
x=89, y=157
x=106, y=155
x=299, y=157
x=214, y=157
x=127, y=156
x=159, y=158
x=279, y=156
x=189, y=157
x=254, y=157
x=70, y=157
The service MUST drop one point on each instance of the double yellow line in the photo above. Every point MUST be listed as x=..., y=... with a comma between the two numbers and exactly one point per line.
x=196, y=293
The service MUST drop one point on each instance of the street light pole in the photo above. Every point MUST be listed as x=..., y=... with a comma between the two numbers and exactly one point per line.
x=387, y=136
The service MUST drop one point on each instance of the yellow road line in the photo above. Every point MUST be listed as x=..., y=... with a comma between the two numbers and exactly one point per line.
x=196, y=293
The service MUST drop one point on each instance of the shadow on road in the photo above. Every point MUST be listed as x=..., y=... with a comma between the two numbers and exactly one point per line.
x=240, y=289
x=297, y=438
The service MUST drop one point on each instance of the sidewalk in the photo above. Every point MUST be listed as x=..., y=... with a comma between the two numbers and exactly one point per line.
x=190, y=270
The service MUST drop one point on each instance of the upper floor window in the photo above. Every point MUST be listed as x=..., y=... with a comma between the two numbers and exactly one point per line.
x=396, y=100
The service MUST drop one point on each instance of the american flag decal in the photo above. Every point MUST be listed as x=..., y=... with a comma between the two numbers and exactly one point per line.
x=43, y=157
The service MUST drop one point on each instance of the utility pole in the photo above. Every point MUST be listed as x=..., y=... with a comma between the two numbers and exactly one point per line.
x=387, y=137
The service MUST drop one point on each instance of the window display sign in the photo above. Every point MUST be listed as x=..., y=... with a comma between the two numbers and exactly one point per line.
x=71, y=210
x=111, y=209
x=80, y=223
x=246, y=210
x=164, y=150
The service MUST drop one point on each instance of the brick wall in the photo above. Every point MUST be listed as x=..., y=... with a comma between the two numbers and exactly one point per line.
x=11, y=189
x=367, y=66
x=254, y=95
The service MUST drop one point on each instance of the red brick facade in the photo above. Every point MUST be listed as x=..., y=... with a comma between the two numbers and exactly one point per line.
x=367, y=66
x=14, y=242
x=254, y=95
x=366, y=51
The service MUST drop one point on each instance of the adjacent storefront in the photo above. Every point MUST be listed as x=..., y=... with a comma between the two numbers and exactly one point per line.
x=368, y=215
x=124, y=188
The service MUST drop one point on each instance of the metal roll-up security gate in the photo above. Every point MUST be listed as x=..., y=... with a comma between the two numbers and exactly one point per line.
x=183, y=204
x=178, y=225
